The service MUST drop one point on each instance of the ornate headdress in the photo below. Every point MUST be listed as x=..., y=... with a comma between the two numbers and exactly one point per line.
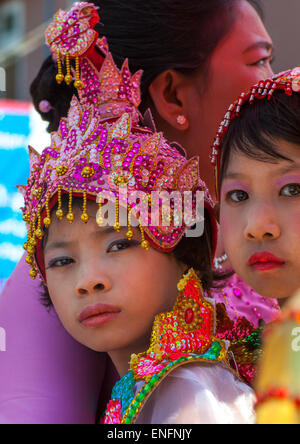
x=100, y=146
x=287, y=81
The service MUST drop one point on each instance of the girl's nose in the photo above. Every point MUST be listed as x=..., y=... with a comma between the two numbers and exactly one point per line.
x=262, y=225
x=92, y=281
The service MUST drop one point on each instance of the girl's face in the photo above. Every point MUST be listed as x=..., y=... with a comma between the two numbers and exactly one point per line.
x=260, y=220
x=97, y=271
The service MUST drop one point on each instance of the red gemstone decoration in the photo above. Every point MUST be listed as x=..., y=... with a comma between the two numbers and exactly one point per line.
x=189, y=316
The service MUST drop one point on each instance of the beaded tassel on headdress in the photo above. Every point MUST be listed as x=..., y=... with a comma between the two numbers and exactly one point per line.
x=71, y=36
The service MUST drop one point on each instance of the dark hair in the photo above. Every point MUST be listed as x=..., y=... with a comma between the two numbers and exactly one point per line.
x=257, y=130
x=193, y=252
x=155, y=35
x=45, y=87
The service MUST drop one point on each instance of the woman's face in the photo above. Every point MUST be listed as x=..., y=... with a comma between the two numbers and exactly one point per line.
x=260, y=221
x=240, y=60
x=98, y=269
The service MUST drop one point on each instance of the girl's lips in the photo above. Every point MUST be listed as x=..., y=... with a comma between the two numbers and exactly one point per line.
x=95, y=315
x=265, y=261
x=96, y=321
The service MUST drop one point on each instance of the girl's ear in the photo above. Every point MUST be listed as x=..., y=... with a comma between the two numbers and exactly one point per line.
x=217, y=212
x=168, y=93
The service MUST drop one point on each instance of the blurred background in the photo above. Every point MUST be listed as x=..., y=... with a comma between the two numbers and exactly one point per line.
x=22, y=50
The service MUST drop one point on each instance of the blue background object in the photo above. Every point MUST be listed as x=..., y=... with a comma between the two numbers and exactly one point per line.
x=14, y=170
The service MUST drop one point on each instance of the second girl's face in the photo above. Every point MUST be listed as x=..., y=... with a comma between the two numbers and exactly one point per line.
x=97, y=271
x=240, y=60
x=260, y=220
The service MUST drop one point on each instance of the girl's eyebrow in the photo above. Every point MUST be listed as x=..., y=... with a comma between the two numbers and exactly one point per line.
x=105, y=230
x=65, y=244
x=233, y=176
x=284, y=170
x=58, y=244
x=288, y=169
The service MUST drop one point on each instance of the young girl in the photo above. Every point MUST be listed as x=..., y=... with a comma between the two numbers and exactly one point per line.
x=136, y=293
x=257, y=160
x=259, y=184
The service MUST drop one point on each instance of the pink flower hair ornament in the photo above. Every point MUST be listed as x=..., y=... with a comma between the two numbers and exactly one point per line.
x=45, y=106
x=101, y=147
x=287, y=81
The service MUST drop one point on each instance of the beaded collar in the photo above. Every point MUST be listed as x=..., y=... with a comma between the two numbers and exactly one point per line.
x=124, y=406
x=181, y=337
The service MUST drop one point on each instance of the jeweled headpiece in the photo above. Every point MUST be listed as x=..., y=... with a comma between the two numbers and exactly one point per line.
x=287, y=81
x=72, y=35
x=99, y=147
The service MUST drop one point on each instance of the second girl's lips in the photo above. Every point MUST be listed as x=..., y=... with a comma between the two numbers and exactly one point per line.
x=265, y=261
x=95, y=315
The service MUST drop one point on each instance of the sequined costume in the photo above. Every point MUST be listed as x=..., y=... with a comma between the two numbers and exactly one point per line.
x=241, y=317
x=241, y=301
x=185, y=361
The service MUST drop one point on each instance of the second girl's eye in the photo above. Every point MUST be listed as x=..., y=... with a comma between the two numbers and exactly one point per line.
x=291, y=190
x=122, y=244
x=237, y=196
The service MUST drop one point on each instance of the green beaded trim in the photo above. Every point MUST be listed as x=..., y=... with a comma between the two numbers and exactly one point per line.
x=216, y=353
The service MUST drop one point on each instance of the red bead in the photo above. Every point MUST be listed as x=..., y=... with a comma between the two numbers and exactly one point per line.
x=189, y=316
x=283, y=393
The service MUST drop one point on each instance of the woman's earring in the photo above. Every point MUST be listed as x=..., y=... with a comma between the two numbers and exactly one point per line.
x=181, y=120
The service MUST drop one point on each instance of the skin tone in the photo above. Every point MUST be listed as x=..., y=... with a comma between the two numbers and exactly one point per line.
x=240, y=60
x=87, y=265
x=260, y=212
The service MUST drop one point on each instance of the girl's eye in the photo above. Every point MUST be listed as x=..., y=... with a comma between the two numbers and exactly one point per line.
x=291, y=190
x=60, y=262
x=263, y=62
x=237, y=196
x=120, y=245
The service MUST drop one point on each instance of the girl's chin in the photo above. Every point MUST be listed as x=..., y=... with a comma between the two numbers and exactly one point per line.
x=273, y=293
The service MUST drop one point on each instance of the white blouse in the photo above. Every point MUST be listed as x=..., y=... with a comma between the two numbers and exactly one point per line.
x=199, y=394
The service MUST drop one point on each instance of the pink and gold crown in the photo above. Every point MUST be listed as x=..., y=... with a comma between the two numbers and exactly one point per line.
x=287, y=81
x=100, y=147
x=72, y=36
